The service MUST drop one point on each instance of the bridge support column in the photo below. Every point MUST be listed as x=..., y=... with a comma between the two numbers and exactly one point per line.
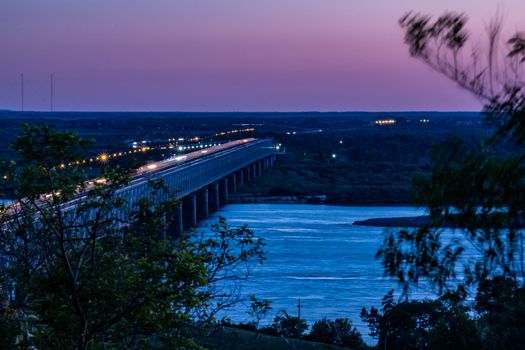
x=190, y=211
x=233, y=184
x=240, y=175
x=162, y=235
x=203, y=210
x=253, y=169
x=259, y=167
x=214, y=196
x=247, y=172
x=177, y=222
x=223, y=191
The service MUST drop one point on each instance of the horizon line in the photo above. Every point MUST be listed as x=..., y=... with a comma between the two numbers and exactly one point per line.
x=239, y=112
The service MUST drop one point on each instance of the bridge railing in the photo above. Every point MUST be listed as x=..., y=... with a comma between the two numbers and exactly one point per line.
x=191, y=176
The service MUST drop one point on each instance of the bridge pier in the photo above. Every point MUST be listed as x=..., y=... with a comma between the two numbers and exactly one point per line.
x=240, y=175
x=203, y=210
x=214, y=198
x=190, y=211
x=223, y=194
x=259, y=167
x=177, y=222
x=232, y=184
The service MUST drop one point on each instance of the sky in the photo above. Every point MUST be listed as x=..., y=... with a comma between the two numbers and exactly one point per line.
x=227, y=55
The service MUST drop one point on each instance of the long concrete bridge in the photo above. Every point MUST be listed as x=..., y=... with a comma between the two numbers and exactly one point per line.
x=203, y=179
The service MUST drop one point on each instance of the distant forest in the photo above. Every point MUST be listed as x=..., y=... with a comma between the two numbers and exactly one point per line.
x=354, y=158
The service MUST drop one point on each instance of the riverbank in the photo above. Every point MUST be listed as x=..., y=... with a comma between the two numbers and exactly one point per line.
x=411, y=221
x=414, y=221
x=236, y=338
x=253, y=199
x=247, y=198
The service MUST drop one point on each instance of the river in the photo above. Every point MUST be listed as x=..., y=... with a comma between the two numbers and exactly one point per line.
x=314, y=253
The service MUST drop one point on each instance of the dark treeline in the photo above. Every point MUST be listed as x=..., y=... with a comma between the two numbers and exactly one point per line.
x=373, y=164
x=356, y=161
x=494, y=320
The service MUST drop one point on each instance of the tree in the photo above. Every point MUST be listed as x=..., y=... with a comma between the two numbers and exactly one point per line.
x=100, y=272
x=427, y=324
x=477, y=191
x=339, y=332
x=287, y=326
x=500, y=303
x=258, y=309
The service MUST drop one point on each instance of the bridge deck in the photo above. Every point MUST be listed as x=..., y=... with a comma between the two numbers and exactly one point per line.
x=200, y=168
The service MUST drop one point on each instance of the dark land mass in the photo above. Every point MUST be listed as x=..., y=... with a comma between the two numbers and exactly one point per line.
x=235, y=338
x=412, y=221
x=346, y=156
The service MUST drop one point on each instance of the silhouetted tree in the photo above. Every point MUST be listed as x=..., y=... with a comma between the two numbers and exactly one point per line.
x=339, y=332
x=80, y=267
x=478, y=192
x=427, y=324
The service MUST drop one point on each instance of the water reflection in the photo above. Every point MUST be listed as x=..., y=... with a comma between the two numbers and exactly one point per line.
x=315, y=253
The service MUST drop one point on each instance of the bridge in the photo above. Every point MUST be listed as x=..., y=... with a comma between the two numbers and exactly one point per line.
x=202, y=179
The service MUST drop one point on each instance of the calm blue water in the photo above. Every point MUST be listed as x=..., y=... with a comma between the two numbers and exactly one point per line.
x=315, y=253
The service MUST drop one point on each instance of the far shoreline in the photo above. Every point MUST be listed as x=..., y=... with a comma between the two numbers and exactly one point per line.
x=298, y=199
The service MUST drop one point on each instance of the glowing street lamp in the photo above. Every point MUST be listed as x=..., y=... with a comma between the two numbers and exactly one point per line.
x=103, y=157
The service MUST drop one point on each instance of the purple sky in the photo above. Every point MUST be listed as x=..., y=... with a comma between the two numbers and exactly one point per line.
x=226, y=55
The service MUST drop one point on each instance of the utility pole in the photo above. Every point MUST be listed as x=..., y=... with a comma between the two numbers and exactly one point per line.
x=22, y=92
x=51, y=83
x=299, y=319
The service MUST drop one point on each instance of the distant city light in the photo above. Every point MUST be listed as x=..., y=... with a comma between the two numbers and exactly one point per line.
x=385, y=122
x=334, y=155
x=340, y=142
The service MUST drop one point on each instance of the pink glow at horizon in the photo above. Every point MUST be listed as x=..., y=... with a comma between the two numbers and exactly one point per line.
x=230, y=55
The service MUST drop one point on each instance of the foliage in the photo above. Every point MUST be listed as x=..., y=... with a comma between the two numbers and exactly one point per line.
x=421, y=325
x=338, y=332
x=83, y=268
x=500, y=303
x=258, y=309
x=478, y=193
x=287, y=326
